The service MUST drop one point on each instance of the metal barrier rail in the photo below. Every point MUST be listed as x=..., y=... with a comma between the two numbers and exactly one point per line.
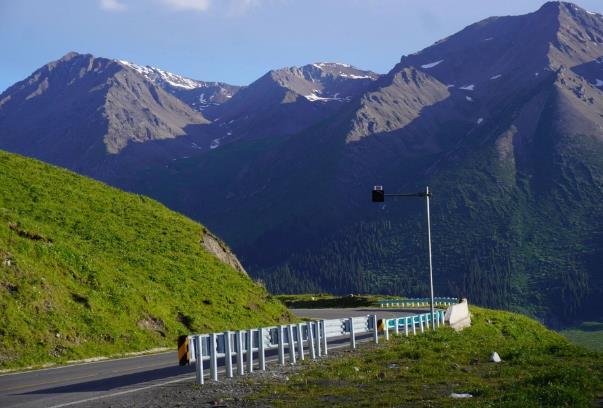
x=441, y=301
x=291, y=340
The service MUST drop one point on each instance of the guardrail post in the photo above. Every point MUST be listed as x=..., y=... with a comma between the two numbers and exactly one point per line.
x=198, y=360
x=386, y=329
x=318, y=338
x=300, y=341
x=443, y=314
x=375, y=329
x=406, y=326
x=352, y=334
x=213, y=356
x=311, y=345
x=396, y=328
x=261, y=350
x=421, y=323
x=281, y=345
x=240, y=367
x=228, y=353
x=250, y=351
x=324, y=338
x=414, y=325
x=291, y=345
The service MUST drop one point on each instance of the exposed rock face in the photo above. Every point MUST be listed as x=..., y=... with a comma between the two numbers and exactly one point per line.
x=399, y=99
x=138, y=111
x=213, y=245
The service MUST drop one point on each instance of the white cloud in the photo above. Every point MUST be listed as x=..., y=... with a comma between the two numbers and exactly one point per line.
x=195, y=5
x=238, y=7
x=229, y=7
x=112, y=5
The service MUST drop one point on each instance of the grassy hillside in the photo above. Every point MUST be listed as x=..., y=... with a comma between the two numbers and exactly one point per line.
x=89, y=270
x=539, y=369
x=588, y=334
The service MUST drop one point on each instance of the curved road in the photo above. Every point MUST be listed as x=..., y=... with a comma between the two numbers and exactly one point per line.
x=86, y=382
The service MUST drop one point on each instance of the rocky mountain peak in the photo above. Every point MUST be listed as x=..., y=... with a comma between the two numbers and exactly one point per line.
x=578, y=35
x=71, y=55
x=103, y=108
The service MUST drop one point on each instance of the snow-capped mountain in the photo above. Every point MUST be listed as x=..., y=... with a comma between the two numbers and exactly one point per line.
x=287, y=100
x=81, y=110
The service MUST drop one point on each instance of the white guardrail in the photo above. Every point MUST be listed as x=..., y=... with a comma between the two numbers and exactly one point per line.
x=293, y=340
x=421, y=302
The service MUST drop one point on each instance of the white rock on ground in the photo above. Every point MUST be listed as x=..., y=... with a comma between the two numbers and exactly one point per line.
x=495, y=358
x=461, y=395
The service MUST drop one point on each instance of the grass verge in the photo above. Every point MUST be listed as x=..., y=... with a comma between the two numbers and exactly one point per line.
x=588, y=334
x=540, y=368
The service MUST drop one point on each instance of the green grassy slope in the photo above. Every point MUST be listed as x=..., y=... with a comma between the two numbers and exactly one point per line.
x=588, y=334
x=89, y=270
x=539, y=369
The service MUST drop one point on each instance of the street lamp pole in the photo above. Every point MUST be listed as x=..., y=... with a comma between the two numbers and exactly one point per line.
x=379, y=197
x=427, y=195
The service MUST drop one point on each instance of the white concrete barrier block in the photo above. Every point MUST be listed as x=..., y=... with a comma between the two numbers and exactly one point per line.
x=458, y=316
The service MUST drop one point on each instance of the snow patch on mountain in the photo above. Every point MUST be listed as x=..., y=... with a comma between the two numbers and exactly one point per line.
x=313, y=97
x=321, y=65
x=432, y=64
x=468, y=87
x=352, y=76
x=599, y=83
x=496, y=76
x=156, y=75
x=214, y=144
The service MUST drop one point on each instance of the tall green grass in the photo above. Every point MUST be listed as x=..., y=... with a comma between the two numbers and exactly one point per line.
x=540, y=368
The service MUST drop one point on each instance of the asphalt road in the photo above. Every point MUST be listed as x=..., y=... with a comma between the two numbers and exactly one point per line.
x=86, y=382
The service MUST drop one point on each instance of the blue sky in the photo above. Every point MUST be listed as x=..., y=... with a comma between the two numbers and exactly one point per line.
x=235, y=41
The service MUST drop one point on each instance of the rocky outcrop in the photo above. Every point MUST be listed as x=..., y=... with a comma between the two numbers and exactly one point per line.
x=216, y=247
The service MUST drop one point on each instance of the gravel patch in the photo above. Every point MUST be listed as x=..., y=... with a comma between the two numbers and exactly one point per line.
x=233, y=392
x=226, y=392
